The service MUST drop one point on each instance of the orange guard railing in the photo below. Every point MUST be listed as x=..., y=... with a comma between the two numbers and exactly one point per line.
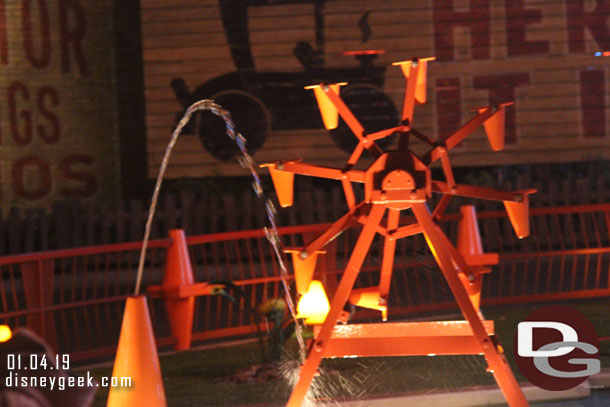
x=74, y=298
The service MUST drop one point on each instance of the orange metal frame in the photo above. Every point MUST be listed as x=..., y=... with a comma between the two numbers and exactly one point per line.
x=396, y=181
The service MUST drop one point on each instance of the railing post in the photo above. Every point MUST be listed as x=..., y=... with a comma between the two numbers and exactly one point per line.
x=179, y=273
x=38, y=279
x=607, y=218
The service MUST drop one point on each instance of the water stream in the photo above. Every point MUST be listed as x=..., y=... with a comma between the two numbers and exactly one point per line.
x=248, y=163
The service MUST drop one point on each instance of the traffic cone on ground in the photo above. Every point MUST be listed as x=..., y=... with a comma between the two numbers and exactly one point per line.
x=137, y=359
x=179, y=273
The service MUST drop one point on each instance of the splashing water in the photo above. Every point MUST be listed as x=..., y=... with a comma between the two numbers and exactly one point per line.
x=324, y=387
x=248, y=163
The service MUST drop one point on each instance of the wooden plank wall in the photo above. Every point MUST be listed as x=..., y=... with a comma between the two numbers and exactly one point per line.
x=539, y=53
x=77, y=224
x=58, y=136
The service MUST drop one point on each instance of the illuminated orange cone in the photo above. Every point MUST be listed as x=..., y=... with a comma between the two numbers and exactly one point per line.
x=303, y=268
x=494, y=128
x=470, y=247
x=519, y=215
x=178, y=272
x=328, y=110
x=137, y=358
x=469, y=239
x=313, y=305
x=283, y=181
x=370, y=297
x=420, y=89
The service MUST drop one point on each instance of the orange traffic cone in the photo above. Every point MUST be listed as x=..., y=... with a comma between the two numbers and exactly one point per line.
x=494, y=128
x=469, y=238
x=137, y=358
x=407, y=66
x=328, y=110
x=470, y=247
x=178, y=272
x=283, y=181
x=303, y=268
x=519, y=215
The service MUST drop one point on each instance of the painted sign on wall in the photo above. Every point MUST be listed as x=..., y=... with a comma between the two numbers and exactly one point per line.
x=57, y=131
x=255, y=56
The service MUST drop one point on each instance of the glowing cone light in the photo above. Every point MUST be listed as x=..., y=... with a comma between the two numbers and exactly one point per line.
x=313, y=305
x=5, y=333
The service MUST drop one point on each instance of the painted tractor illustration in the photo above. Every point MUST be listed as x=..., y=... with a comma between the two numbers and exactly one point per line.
x=276, y=100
